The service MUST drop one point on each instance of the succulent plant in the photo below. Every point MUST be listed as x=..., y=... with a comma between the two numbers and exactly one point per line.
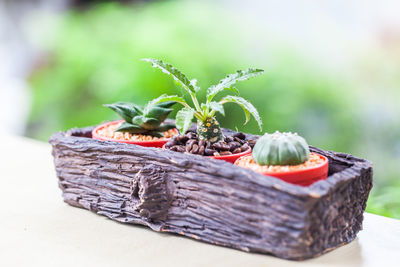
x=147, y=120
x=208, y=127
x=281, y=149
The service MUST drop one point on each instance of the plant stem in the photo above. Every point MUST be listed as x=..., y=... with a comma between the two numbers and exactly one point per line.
x=195, y=102
x=212, y=113
x=184, y=104
x=200, y=116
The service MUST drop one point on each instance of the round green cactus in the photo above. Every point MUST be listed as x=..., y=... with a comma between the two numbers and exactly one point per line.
x=281, y=149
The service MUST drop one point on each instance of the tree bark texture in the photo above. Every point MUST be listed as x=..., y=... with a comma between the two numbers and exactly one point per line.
x=212, y=200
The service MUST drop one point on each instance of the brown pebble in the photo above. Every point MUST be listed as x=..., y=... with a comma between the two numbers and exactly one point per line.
x=222, y=146
x=233, y=145
x=189, y=144
x=209, y=152
x=202, y=142
x=178, y=148
x=216, y=145
x=237, y=139
x=201, y=150
x=169, y=144
x=182, y=139
x=191, y=141
x=244, y=147
x=237, y=150
x=240, y=135
x=228, y=139
x=225, y=147
x=195, y=149
x=188, y=147
x=191, y=135
x=208, y=144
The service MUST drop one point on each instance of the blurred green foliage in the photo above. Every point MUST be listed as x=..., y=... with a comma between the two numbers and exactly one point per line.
x=94, y=58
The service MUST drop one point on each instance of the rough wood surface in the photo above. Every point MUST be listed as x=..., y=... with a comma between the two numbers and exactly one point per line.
x=211, y=200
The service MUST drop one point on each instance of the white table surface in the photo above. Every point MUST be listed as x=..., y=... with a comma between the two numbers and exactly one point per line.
x=38, y=229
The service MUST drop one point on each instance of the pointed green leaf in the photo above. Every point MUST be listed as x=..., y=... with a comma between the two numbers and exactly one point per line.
x=247, y=107
x=158, y=113
x=126, y=110
x=155, y=133
x=184, y=119
x=166, y=104
x=159, y=101
x=146, y=123
x=174, y=73
x=131, y=128
x=217, y=107
x=158, y=108
x=229, y=81
x=193, y=82
x=166, y=127
x=138, y=131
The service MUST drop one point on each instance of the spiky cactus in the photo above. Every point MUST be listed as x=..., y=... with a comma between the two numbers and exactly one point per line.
x=209, y=130
x=147, y=120
x=208, y=127
x=281, y=149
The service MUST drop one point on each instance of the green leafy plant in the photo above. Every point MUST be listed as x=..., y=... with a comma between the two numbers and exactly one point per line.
x=147, y=120
x=281, y=149
x=208, y=127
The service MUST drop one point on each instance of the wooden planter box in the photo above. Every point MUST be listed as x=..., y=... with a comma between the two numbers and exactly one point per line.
x=212, y=200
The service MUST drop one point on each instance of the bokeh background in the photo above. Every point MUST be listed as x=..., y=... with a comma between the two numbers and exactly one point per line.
x=332, y=68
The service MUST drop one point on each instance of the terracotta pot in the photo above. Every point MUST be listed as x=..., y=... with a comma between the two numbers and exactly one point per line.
x=303, y=177
x=230, y=158
x=152, y=143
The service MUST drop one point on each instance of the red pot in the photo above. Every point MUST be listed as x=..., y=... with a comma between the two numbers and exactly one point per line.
x=153, y=143
x=229, y=158
x=303, y=177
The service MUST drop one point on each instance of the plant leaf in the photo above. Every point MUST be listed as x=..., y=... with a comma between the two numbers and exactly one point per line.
x=166, y=127
x=158, y=113
x=129, y=127
x=174, y=73
x=229, y=81
x=184, y=119
x=146, y=123
x=193, y=82
x=159, y=101
x=155, y=133
x=126, y=110
x=247, y=107
x=166, y=104
x=217, y=107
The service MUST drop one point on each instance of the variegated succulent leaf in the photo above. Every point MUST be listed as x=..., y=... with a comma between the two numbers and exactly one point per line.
x=130, y=128
x=125, y=110
x=146, y=123
x=158, y=113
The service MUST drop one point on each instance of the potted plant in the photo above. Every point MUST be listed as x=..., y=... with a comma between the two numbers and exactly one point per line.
x=208, y=139
x=209, y=200
x=141, y=126
x=212, y=200
x=286, y=156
